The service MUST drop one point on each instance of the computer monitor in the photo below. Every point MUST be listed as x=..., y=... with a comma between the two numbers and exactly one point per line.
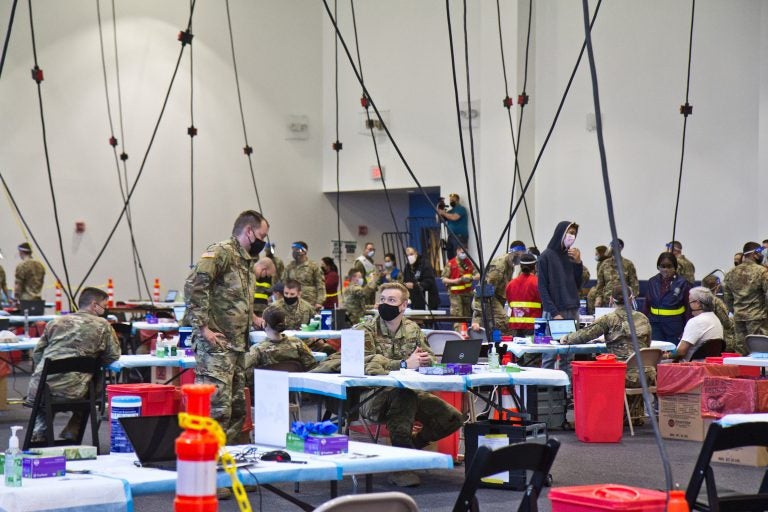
x=171, y=295
x=32, y=307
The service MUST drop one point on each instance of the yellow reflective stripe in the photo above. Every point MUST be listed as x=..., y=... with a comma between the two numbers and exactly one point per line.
x=521, y=320
x=263, y=285
x=331, y=294
x=262, y=296
x=668, y=312
x=525, y=304
x=461, y=287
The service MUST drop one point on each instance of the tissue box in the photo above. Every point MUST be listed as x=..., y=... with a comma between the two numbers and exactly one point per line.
x=435, y=370
x=71, y=452
x=460, y=368
x=42, y=466
x=317, y=445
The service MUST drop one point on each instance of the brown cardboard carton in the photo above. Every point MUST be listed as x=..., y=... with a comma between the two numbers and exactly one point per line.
x=680, y=417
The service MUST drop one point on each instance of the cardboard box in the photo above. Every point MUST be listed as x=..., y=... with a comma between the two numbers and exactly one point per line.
x=755, y=456
x=317, y=445
x=41, y=466
x=680, y=417
x=73, y=452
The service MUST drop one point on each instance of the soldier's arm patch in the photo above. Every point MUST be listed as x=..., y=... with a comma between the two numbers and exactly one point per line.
x=208, y=254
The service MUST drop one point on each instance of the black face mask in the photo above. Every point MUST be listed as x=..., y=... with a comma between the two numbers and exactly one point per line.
x=452, y=203
x=388, y=312
x=256, y=247
x=291, y=300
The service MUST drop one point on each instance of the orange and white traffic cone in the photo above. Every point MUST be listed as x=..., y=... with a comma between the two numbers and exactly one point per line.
x=677, y=502
x=57, y=303
x=196, y=453
x=156, y=292
x=508, y=404
x=110, y=294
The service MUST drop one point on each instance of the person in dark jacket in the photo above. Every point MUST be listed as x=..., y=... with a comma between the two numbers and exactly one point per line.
x=560, y=276
x=419, y=278
x=666, y=301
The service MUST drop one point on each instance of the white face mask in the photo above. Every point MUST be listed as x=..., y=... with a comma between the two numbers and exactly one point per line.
x=568, y=240
x=387, y=264
x=597, y=258
x=461, y=255
x=411, y=259
x=371, y=254
x=359, y=281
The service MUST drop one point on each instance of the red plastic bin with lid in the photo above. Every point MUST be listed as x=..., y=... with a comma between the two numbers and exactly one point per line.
x=617, y=497
x=156, y=399
x=598, y=399
x=744, y=371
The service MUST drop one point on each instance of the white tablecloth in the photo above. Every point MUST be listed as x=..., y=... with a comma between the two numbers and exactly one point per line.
x=518, y=349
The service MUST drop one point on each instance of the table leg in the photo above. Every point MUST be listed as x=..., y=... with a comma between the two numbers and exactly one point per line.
x=334, y=488
x=368, y=483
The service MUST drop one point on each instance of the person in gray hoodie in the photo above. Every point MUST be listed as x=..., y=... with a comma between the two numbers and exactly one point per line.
x=560, y=277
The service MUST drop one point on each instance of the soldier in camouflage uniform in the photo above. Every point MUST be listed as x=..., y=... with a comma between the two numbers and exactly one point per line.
x=5, y=294
x=608, y=277
x=264, y=273
x=278, y=348
x=685, y=268
x=615, y=327
x=457, y=276
x=402, y=343
x=30, y=275
x=500, y=272
x=219, y=297
x=79, y=334
x=279, y=265
x=297, y=312
x=744, y=290
x=308, y=273
x=600, y=257
x=721, y=312
x=364, y=263
x=356, y=295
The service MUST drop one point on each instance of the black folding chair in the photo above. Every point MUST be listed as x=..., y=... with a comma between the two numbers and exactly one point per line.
x=710, y=348
x=725, y=500
x=534, y=457
x=49, y=405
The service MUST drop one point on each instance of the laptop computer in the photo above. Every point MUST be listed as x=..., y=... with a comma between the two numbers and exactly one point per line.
x=340, y=319
x=153, y=439
x=171, y=296
x=32, y=307
x=603, y=311
x=178, y=312
x=462, y=351
x=559, y=328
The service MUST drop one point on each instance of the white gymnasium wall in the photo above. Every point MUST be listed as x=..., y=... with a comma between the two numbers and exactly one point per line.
x=280, y=67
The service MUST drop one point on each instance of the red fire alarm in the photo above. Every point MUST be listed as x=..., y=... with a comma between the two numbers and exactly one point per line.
x=80, y=227
x=376, y=172
x=362, y=230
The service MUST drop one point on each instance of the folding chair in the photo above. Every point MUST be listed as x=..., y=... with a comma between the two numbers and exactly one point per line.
x=376, y=502
x=534, y=457
x=757, y=343
x=49, y=405
x=436, y=340
x=724, y=500
x=710, y=348
x=650, y=358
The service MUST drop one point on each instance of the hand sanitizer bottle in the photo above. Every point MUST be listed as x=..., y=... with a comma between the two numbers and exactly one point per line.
x=159, y=346
x=13, y=460
x=493, y=358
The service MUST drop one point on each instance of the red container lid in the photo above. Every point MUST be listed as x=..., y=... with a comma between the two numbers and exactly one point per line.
x=607, y=497
x=713, y=360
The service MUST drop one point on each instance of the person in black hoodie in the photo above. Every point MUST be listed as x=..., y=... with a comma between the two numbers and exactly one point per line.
x=419, y=278
x=560, y=277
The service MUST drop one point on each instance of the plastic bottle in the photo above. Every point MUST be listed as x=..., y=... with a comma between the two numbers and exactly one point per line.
x=159, y=346
x=493, y=359
x=13, y=460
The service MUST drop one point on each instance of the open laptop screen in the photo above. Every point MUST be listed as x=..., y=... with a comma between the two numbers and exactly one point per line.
x=559, y=328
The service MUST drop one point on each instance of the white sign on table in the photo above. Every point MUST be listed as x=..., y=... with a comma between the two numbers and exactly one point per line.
x=352, y=353
x=271, y=414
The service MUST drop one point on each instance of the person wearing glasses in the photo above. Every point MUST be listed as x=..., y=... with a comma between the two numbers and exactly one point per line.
x=703, y=325
x=666, y=301
x=85, y=333
x=402, y=345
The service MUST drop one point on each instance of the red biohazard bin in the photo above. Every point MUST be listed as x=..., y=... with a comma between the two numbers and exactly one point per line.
x=156, y=399
x=598, y=399
x=584, y=498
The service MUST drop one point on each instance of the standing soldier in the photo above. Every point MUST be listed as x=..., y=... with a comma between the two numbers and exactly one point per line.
x=308, y=273
x=269, y=251
x=219, y=296
x=457, y=276
x=721, y=312
x=5, y=293
x=608, y=276
x=744, y=290
x=500, y=272
x=30, y=275
x=685, y=267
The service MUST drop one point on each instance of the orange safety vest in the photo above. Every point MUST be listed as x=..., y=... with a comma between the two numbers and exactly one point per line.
x=524, y=302
x=457, y=272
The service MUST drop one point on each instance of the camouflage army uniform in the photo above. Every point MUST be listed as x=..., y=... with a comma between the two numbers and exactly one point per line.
x=356, y=299
x=30, y=275
x=300, y=313
x=3, y=284
x=400, y=407
x=461, y=302
x=279, y=270
x=499, y=274
x=270, y=352
x=685, y=268
x=721, y=312
x=311, y=278
x=219, y=295
x=744, y=291
x=368, y=269
x=608, y=278
x=75, y=335
x=615, y=328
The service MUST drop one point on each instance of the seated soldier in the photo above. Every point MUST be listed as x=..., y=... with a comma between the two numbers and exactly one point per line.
x=356, y=293
x=278, y=347
x=615, y=328
x=297, y=312
x=703, y=325
x=84, y=333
